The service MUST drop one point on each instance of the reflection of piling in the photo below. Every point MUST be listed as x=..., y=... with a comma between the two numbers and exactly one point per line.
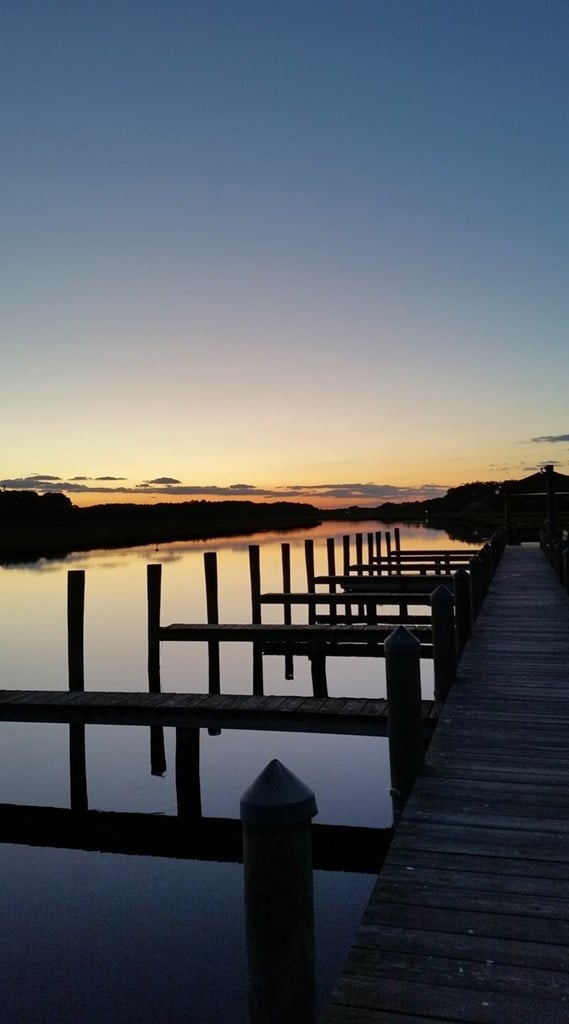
x=153, y=600
x=188, y=788
x=77, y=769
x=255, y=577
x=405, y=713
x=75, y=628
x=157, y=751
x=276, y=813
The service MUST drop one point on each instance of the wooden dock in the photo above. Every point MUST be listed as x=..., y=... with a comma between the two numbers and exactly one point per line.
x=357, y=716
x=469, y=919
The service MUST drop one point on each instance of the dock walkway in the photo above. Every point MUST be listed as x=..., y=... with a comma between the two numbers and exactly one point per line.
x=469, y=919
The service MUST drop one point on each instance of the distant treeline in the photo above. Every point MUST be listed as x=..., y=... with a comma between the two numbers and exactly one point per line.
x=32, y=525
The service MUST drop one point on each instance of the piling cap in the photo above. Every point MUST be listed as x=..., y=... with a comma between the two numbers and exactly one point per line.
x=401, y=641
x=277, y=797
x=442, y=596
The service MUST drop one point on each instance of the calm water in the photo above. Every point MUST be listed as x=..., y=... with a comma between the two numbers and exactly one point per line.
x=97, y=937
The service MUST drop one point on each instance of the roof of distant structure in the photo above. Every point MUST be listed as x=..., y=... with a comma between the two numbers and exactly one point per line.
x=536, y=484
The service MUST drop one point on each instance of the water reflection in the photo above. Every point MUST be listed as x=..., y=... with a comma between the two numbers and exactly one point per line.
x=99, y=936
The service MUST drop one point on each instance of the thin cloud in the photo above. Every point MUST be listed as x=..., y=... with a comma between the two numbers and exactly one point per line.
x=550, y=439
x=110, y=478
x=163, y=480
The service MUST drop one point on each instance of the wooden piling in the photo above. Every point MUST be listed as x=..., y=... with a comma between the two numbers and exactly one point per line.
x=462, y=612
x=276, y=813
x=255, y=578
x=212, y=607
x=287, y=610
x=331, y=555
x=405, y=717
x=444, y=644
x=310, y=574
x=153, y=602
x=476, y=587
x=75, y=628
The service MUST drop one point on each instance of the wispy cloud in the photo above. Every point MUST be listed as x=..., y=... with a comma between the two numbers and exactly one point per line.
x=170, y=487
x=550, y=439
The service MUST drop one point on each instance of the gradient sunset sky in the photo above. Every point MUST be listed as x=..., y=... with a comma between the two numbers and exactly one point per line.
x=283, y=248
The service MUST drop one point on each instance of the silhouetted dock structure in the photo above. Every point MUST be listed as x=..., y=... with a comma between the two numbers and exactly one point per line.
x=469, y=919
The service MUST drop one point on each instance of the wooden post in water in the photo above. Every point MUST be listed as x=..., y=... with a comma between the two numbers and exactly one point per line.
x=212, y=607
x=378, y=551
x=310, y=584
x=318, y=669
x=476, y=586
x=276, y=814
x=346, y=571
x=255, y=577
x=75, y=628
x=287, y=610
x=153, y=601
x=331, y=553
x=388, y=551
x=359, y=553
x=462, y=613
x=444, y=644
x=405, y=713
x=370, y=559
x=76, y=677
x=346, y=554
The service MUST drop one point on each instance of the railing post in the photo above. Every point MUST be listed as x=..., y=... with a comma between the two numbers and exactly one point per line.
x=444, y=647
x=405, y=713
x=476, y=586
x=463, y=616
x=276, y=814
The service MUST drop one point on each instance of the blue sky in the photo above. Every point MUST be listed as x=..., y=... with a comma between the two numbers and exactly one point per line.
x=289, y=244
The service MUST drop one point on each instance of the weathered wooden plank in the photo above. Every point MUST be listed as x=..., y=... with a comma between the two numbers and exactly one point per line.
x=469, y=920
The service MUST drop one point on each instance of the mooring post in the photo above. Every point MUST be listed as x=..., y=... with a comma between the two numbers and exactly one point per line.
x=346, y=554
x=287, y=611
x=75, y=628
x=550, y=505
x=318, y=669
x=444, y=646
x=462, y=613
x=310, y=584
x=212, y=608
x=388, y=550
x=153, y=600
x=255, y=578
x=405, y=713
x=276, y=814
x=476, y=586
x=486, y=556
x=378, y=550
x=333, y=587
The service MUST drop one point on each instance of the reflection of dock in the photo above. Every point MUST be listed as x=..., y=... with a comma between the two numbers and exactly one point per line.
x=357, y=716
x=335, y=847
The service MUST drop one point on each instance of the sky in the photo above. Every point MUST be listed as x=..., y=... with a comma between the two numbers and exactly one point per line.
x=309, y=249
